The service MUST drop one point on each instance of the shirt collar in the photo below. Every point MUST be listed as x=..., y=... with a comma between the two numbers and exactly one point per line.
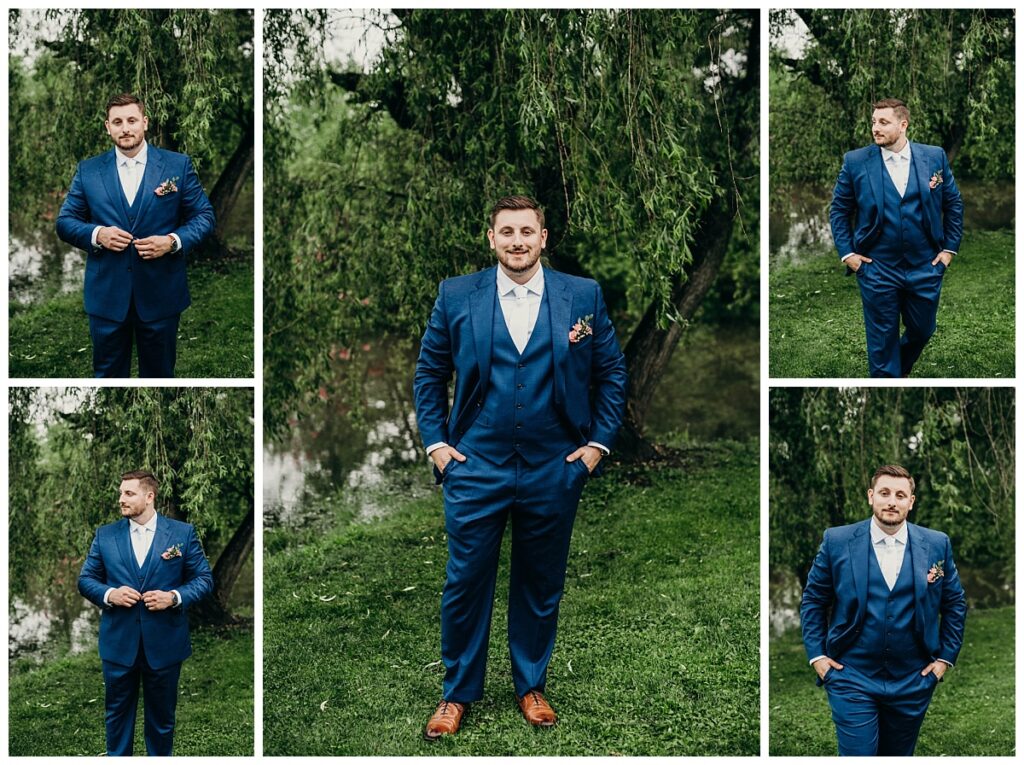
x=535, y=285
x=140, y=157
x=878, y=535
x=150, y=524
x=904, y=152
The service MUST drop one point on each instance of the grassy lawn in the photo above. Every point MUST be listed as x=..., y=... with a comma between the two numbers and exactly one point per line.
x=57, y=709
x=971, y=714
x=215, y=337
x=816, y=322
x=658, y=634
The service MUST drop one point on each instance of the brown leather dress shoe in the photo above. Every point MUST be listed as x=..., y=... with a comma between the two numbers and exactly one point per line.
x=536, y=710
x=446, y=720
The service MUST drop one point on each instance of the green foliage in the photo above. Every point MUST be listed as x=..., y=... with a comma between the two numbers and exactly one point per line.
x=971, y=714
x=958, y=443
x=817, y=326
x=193, y=70
x=658, y=623
x=953, y=68
x=72, y=445
x=381, y=181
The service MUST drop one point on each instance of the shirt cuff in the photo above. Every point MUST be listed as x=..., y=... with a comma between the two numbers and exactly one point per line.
x=951, y=252
x=96, y=236
x=175, y=591
x=435, y=447
x=947, y=663
x=816, y=658
x=843, y=259
x=106, y=597
x=604, y=449
x=177, y=239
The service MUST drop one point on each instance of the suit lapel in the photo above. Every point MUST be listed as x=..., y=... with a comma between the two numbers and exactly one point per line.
x=920, y=555
x=860, y=552
x=878, y=175
x=560, y=315
x=920, y=170
x=161, y=541
x=122, y=539
x=150, y=180
x=481, y=315
x=112, y=185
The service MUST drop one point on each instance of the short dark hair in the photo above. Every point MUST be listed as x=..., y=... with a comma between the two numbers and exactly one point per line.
x=125, y=99
x=898, y=107
x=517, y=202
x=896, y=471
x=147, y=481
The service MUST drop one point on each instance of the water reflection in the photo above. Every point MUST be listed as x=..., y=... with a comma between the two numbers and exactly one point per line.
x=42, y=266
x=48, y=625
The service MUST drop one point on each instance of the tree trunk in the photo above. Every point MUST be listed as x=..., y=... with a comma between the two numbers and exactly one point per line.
x=231, y=181
x=214, y=609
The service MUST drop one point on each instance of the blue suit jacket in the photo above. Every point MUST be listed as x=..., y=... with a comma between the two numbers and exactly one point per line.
x=858, y=203
x=159, y=286
x=838, y=580
x=111, y=563
x=590, y=375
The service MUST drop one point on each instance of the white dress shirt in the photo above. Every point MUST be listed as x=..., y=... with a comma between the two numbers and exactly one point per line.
x=898, y=165
x=889, y=551
x=520, y=305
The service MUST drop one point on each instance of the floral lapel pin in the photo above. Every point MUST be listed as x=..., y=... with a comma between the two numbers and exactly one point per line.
x=935, y=572
x=169, y=186
x=581, y=328
x=174, y=551
x=935, y=182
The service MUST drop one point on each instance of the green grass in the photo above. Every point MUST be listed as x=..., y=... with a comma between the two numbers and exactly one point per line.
x=658, y=633
x=816, y=322
x=971, y=714
x=215, y=337
x=57, y=709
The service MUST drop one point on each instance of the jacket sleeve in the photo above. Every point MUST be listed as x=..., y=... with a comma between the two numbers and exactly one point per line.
x=197, y=575
x=434, y=369
x=844, y=204
x=816, y=601
x=953, y=608
x=74, y=221
x=92, y=581
x=608, y=377
x=197, y=218
x=952, y=209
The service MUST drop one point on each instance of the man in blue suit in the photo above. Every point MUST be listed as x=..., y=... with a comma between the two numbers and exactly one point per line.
x=539, y=395
x=137, y=211
x=883, y=620
x=143, y=572
x=897, y=220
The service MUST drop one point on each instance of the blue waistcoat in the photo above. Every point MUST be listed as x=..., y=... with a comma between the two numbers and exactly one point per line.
x=903, y=235
x=887, y=641
x=518, y=413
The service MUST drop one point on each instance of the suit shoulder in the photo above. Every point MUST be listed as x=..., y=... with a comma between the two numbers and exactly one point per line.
x=94, y=163
x=932, y=535
x=859, y=155
x=109, y=528
x=169, y=156
x=466, y=283
x=845, y=533
x=175, y=525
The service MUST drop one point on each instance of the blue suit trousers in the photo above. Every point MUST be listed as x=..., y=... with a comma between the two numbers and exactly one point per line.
x=160, y=696
x=889, y=293
x=480, y=498
x=155, y=341
x=878, y=715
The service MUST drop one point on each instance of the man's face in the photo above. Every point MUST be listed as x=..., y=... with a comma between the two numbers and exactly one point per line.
x=127, y=126
x=886, y=128
x=518, y=240
x=134, y=499
x=890, y=500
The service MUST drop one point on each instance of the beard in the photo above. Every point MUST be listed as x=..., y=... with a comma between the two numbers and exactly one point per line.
x=881, y=518
x=521, y=266
x=127, y=143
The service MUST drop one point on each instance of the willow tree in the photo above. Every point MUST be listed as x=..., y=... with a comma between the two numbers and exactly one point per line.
x=953, y=68
x=825, y=444
x=192, y=68
x=636, y=130
x=66, y=461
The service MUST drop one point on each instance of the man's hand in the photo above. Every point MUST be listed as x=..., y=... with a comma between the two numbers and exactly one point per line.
x=125, y=597
x=855, y=261
x=153, y=247
x=937, y=668
x=590, y=455
x=822, y=666
x=945, y=256
x=113, y=238
x=442, y=455
x=157, y=600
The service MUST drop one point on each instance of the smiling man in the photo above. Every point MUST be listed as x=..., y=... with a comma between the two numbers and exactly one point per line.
x=137, y=211
x=897, y=620
x=540, y=388
x=897, y=220
x=143, y=571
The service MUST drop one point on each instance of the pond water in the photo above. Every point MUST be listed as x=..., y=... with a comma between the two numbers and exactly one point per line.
x=709, y=392
x=798, y=227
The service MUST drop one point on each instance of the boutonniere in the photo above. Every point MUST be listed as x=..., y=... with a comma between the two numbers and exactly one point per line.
x=174, y=551
x=934, y=182
x=581, y=328
x=170, y=186
x=935, y=572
